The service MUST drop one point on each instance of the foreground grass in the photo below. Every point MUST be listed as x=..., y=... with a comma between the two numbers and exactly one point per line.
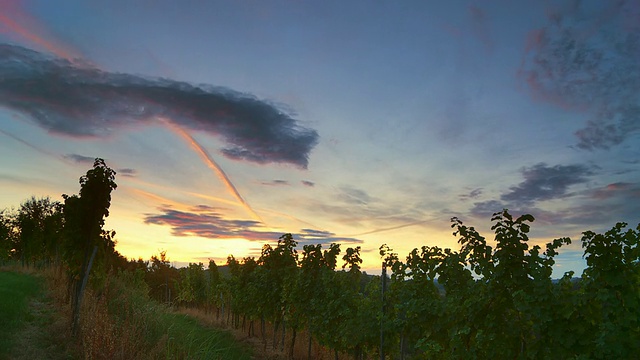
x=187, y=337
x=118, y=321
x=16, y=290
x=123, y=323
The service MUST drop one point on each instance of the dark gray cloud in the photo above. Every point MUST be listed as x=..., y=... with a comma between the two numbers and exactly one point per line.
x=88, y=160
x=308, y=183
x=276, y=183
x=81, y=101
x=80, y=159
x=127, y=172
x=473, y=194
x=587, y=59
x=207, y=222
x=542, y=182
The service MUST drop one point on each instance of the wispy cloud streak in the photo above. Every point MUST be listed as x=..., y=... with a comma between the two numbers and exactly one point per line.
x=375, y=231
x=26, y=143
x=213, y=165
x=14, y=20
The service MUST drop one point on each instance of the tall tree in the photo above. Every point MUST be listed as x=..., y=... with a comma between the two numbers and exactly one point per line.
x=84, y=220
x=40, y=226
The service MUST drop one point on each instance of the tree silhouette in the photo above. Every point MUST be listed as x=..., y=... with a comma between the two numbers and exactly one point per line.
x=40, y=225
x=84, y=218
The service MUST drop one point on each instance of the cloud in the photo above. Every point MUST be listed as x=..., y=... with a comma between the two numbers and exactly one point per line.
x=473, y=194
x=586, y=59
x=308, y=183
x=88, y=161
x=322, y=237
x=604, y=206
x=80, y=159
x=484, y=209
x=80, y=101
x=276, y=183
x=205, y=221
x=127, y=172
x=17, y=21
x=26, y=143
x=396, y=227
x=599, y=207
x=619, y=189
x=213, y=165
x=365, y=214
x=542, y=182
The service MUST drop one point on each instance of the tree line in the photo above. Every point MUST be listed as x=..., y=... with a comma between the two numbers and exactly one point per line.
x=488, y=299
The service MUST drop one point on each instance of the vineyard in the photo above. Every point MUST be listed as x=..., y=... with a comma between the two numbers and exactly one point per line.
x=489, y=299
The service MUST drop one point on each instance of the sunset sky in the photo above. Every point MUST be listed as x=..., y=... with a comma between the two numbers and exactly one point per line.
x=230, y=123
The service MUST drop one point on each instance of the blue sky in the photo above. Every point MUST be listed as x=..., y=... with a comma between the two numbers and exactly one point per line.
x=363, y=123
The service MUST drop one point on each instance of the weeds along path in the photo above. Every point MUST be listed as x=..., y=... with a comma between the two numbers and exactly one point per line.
x=32, y=328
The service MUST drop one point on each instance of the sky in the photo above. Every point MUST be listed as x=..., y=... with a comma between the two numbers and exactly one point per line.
x=230, y=123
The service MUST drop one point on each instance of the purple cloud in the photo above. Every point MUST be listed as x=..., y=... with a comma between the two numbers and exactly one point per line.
x=594, y=207
x=587, y=59
x=205, y=221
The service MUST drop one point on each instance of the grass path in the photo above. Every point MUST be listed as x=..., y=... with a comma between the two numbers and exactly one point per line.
x=15, y=292
x=31, y=326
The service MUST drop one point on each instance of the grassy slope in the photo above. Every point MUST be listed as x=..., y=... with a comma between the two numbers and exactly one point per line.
x=15, y=291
